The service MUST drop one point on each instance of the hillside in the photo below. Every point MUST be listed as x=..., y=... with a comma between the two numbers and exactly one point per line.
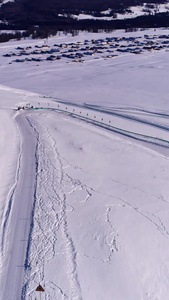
x=25, y=13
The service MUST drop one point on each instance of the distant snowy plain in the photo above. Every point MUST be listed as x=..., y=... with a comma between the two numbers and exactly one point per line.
x=84, y=197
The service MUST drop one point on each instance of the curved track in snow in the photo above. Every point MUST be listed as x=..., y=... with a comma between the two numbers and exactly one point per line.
x=151, y=128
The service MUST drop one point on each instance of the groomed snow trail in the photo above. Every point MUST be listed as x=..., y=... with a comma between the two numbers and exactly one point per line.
x=16, y=220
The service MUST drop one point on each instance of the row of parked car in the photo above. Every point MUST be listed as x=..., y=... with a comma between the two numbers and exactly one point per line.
x=98, y=48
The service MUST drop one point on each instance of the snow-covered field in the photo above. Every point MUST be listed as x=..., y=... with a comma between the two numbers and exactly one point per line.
x=84, y=168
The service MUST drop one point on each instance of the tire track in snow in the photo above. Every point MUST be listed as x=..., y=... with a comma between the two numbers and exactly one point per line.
x=149, y=216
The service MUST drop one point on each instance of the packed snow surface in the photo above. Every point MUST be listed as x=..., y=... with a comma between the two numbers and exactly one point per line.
x=84, y=168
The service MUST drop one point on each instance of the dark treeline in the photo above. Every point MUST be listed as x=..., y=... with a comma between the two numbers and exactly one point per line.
x=72, y=26
x=68, y=24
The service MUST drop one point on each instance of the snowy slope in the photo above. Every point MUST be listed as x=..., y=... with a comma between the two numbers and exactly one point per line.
x=133, y=12
x=6, y=1
x=84, y=176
